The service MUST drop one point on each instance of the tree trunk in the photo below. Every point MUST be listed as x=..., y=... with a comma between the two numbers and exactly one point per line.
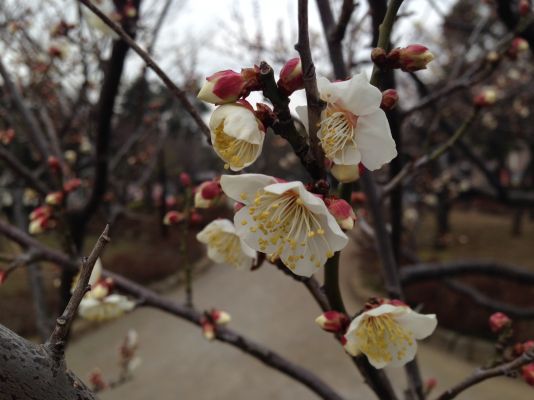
x=28, y=372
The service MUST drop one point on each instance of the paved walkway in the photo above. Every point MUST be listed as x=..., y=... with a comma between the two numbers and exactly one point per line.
x=178, y=363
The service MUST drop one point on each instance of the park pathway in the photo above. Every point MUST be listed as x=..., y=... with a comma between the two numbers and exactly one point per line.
x=267, y=306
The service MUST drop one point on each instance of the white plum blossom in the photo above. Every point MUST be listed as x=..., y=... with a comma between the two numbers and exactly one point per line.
x=283, y=219
x=225, y=246
x=353, y=128
x=103, y=309
x=387, y=334
x=236, y=135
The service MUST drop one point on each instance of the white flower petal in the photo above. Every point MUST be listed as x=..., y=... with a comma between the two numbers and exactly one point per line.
x=235, y=185
x=302, y=112
x=374, y=140
x=422, y=325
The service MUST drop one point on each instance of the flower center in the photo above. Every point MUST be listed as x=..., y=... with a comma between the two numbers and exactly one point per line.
x=237, y=153
x=229, y=246
x=337, y=129
x=287, y=225
x=379, y=336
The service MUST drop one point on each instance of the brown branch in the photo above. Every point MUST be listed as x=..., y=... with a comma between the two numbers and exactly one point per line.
x=347, y=8
x=483, y=374
x=315, y=104
x=489, y=302
x=175, y=90
x=20, y=169
x=56, y=342
x=35, y=134
x=150, y=298
x=411, y=274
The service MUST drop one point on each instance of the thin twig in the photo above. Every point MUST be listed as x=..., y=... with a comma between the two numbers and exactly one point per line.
x=178, y=93
x=483, y=374
x=20, y=169
x=56, y=342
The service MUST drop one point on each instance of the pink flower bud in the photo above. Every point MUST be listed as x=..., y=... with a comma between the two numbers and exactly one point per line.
x=517, y=46
x=342, y=212
x=54, y=198
x=524, y=7
x=210, y=190
x=53, y=164
x=129, y=10
x=208, y=329
x=173, y=218
x=485, y=98
x=40, y=212
x=195, y=218
x=3, y=276
x=291, y=77
x=333, y=321
x=499, y=321
x=220, y=317
x=527, y=371
x=390, y=97
x=185, y=179
x=7, y=136
x=412, y=58
x=72, y=184
x=228, y=86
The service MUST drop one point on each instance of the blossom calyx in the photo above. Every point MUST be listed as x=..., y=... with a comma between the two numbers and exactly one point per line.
x=228, y=86
x=342, y=212
x=499, y=321
x=291, y=78
x=333, y=321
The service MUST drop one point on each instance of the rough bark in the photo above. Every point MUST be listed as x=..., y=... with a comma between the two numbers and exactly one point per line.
x=29, y=372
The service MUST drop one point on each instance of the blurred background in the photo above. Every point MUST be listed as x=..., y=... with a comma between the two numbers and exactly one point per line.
x=474, y=205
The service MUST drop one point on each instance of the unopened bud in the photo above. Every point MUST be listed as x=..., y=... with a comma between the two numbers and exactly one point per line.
x=517, y=46
x=342, y=212
x=220, y=317
x=3, y=276
x=485, y=98
x=291, y=77
x=129, y=10
x=71, y=156
x=358, y=197
x=173, y=218
x=185, y=179
x=412, y=58
x=53, y=164
x=72, y=184
x=345, y=173
x=195, y=218
x=527, y=372
x=499, y=321
x=493, y=56
x=208, y=329
x=390, y=97
x=524, y=7
x=520, y=348
x=228, y=86
x=333, y=321
x=40, y=212
x=38, y=226
x=54, y=198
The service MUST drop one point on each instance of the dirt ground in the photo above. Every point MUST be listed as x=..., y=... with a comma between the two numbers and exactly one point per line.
x=178, y=363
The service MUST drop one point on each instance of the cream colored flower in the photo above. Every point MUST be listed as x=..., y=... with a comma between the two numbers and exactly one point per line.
x=224, y=246
x=387, y=334
x=109, y=307
x=284, y=220
x=353, y=128
x=236, y=135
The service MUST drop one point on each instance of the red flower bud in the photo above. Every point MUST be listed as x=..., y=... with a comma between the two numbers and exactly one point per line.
x=72, y=184
x=220, y=317
x=53, y=164
x=291, y=77
x=342, y=212
x=170, y=201
x=228, y=86
x=358, y=197
x=527, y=371
x=210, y=190
x=195, y=218
x=333, y=321
x=185, y=179
x=517, y=46
x=390, y=97
x=7, y=136
x=524, y=7
x=40, y=212
x=54, y=198
x=173, y=218
x=499, y=321
x=97, y=381
x=485, y=98
x=208, y=329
